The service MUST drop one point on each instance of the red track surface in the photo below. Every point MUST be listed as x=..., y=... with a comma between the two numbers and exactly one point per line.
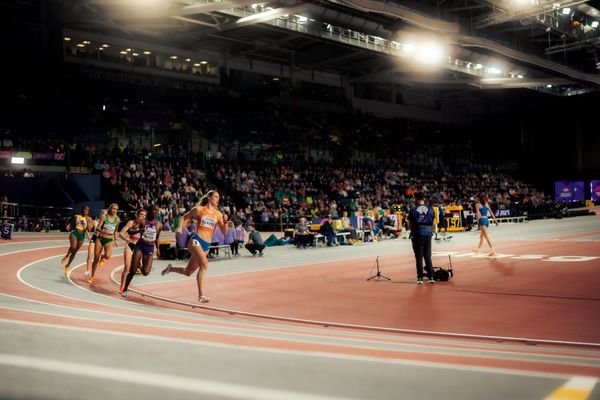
x=496, y=297
x=493, y=297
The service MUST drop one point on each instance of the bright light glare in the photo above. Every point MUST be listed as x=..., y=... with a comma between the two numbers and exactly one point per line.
x=408, y=48
x=521, y=4
x=494, y=70
x=18, y=160
x=153, y=4
x=548, y=86
x=430, y=53
x=595, y=24
x=478, y=66
x=566, y=11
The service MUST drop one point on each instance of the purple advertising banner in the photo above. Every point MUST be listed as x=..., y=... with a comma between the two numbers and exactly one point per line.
x=42, y=156
x=568, y=191
x=595, y=190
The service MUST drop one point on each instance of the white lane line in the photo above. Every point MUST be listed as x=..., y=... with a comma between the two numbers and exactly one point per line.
x=56, y=239
x=162, y=381
x=20, y=278
x=577, y=388
x=267, y=350
x=369, y=327
x=35, y=249
x=351, y=343
x=321, y=323
x=328, y=324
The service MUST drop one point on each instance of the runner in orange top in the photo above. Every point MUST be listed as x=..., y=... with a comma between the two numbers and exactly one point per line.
x=208, y=218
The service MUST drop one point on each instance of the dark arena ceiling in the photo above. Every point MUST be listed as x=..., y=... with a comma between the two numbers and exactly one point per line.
x=547, y=46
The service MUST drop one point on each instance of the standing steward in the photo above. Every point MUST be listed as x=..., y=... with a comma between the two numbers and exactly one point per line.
x=420, y=222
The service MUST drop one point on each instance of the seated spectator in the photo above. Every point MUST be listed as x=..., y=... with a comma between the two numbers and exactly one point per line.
x=23, y=224
x=347, y=226
x=328, y=231
x=302, y=235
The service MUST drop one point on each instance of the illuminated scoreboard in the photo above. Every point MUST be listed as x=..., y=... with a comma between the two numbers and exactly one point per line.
x=453, y=218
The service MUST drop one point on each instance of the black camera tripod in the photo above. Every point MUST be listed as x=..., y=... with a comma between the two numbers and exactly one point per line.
x=378, y=274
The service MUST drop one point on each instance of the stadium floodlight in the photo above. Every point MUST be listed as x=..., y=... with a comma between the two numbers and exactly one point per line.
x=566, y=11
x=594, y=24
x=17, y=160
x=430, y=53
x=408, y=48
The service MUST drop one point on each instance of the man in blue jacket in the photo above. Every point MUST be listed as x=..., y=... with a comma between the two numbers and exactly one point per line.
x=420, y=222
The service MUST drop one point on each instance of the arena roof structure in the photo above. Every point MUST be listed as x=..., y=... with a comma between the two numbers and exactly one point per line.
x=547, y=46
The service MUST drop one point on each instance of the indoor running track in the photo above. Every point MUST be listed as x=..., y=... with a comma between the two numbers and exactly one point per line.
x=307, y=324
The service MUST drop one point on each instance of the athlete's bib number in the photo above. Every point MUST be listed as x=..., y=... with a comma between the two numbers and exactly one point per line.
x=208, y=222
x=149, y=234
x=80, y=224
x=109, y=229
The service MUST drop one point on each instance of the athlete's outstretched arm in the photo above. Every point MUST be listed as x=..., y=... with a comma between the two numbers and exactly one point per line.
x=223, y=223
x=193, y=213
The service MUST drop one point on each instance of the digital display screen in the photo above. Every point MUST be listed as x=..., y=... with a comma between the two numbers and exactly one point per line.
x=568, y=191
x=595, y=190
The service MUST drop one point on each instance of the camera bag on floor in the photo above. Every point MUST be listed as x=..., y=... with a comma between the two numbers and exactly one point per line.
x=443, y=275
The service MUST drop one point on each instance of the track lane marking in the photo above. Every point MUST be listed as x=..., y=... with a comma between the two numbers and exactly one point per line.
x=577, y=388
x=349, y=357
x=162, y=381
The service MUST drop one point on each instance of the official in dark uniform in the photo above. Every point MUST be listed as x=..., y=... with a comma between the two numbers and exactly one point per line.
x=420, y=222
